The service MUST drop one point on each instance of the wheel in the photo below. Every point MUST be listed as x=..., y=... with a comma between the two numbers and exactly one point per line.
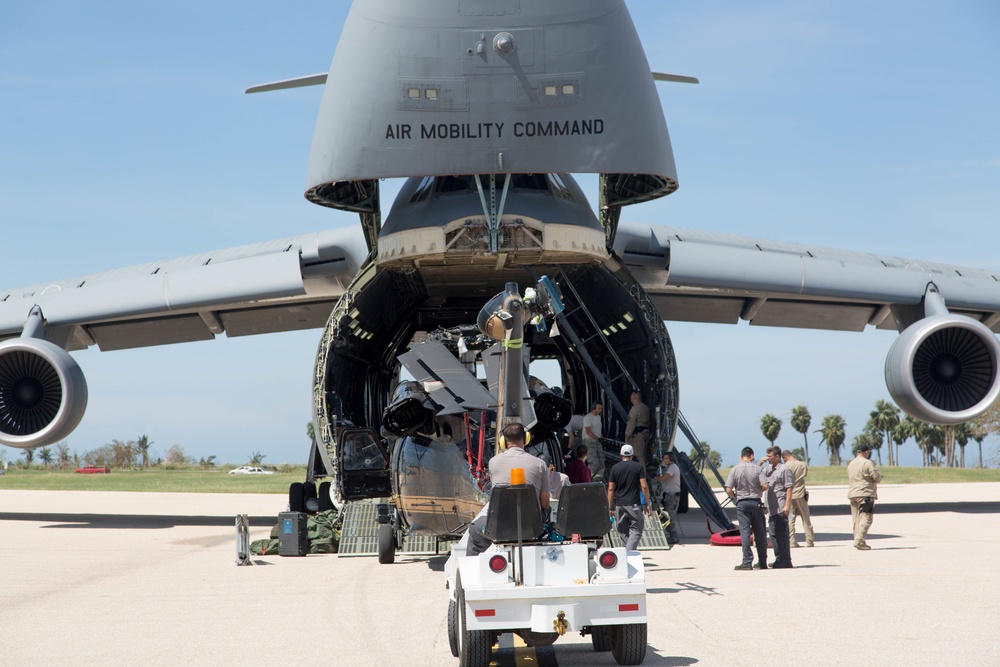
x=386, y=544
x=325, y=502
x=475, y=647
x=628, y=644
x=453, y=627
x=600, y=639
x=296, y=497
x=309, y=500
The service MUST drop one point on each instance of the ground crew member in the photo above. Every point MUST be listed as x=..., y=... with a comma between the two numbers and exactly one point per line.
x=800, y=499
x=779, y=505
x=744, y=485
x=862, y=490
x=671, y=480
x=592, y=433
x=626, y=480
x=536, y=473
x=637, y=428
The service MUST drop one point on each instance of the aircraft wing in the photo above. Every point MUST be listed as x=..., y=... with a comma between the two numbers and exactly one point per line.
x=699, y=276
x=281, y=285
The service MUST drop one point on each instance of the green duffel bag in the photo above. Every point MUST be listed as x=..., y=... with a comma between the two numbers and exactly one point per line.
x=265, y=547
x=323, y=531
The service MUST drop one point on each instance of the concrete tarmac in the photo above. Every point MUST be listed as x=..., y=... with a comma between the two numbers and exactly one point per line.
x=150, y=579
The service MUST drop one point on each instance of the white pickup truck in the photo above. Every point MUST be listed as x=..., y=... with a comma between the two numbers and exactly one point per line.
x=543, y=588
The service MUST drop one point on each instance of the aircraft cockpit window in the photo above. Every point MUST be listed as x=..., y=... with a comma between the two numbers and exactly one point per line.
x=423, y=189
x=454, y=184
x=529, y=182
x=361, y=452
x=558, y=187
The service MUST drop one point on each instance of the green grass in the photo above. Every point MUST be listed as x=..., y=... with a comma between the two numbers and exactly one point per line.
x=218, y=481
x=832, y=475
x=173, y=481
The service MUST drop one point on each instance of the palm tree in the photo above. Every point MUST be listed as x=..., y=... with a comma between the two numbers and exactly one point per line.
x=801, y=420
x=45, y=454
x=832, y=432
x=257, y=458
x=902, y=432
x=934, y=443
x=884, y=417
x=978, y=432
x=142, y=446
x=29, y=457
x=62, y=455
x=873, y=437
x=920, y=432
x=770, y=426
x=963, y=433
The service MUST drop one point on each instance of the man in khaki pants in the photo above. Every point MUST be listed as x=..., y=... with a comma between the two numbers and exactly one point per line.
x=800, y=504
x=862, y=479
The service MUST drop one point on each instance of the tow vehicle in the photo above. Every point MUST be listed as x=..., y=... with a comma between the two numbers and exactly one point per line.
x=543, y=587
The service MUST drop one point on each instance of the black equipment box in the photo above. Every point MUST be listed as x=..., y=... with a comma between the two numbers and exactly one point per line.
x=293, y=539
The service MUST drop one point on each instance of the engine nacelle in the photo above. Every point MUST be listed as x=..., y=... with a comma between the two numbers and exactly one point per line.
x=43, y=393
x=944, y=369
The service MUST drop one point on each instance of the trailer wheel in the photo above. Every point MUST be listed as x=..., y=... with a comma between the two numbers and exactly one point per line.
x=386, y=544
x=453, y=627
x=600, y=639
x=628, y=644
x=475, y=646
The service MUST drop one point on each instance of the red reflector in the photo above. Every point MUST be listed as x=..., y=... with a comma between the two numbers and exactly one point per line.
x=622, y=607
x=490, y=612
x=608, y=559
x=498, y=564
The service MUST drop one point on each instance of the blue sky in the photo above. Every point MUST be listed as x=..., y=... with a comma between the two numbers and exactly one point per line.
x=125, y=137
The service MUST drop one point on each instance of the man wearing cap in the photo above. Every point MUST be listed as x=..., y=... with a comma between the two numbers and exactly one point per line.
x=626, y=480
x=862, y=490
x=535, y=473
x=745, y=485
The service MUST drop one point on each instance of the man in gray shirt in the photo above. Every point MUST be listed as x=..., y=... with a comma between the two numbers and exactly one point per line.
x=501, y=465
x=779, y=504
x=745, y=485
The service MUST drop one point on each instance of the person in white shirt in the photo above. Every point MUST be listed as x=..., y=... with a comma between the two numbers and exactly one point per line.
x=592, y=433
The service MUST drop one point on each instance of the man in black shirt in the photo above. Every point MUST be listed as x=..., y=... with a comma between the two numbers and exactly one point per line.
x=627, y=478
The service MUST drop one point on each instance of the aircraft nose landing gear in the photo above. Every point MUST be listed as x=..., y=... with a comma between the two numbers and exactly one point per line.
x=387, y=533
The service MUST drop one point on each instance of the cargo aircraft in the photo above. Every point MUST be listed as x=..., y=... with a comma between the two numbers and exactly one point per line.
x=486, y=108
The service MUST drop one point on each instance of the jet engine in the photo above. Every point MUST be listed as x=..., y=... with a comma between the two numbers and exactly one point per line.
x=43, y=393
x=944, y=369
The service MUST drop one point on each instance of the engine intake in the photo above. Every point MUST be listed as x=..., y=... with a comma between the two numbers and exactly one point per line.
x=43, y=393
x=944, y=369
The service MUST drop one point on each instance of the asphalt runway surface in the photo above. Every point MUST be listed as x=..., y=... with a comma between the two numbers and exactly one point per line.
x=150, y=579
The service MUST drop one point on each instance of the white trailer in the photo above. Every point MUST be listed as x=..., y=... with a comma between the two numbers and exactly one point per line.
x=542, y=589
